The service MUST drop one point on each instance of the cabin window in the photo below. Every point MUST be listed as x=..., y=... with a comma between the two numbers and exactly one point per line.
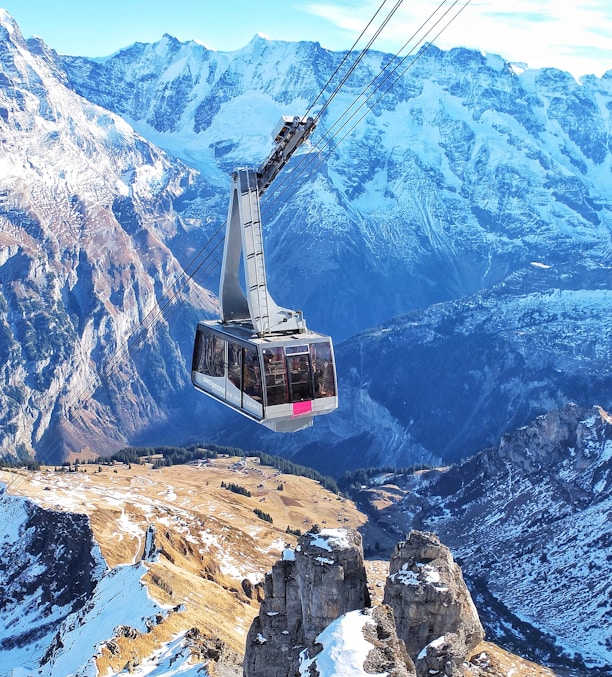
x=300, y=379
x=251, y=375
x=323, y=370
x=276, y=376
x=209, y=358
x=234, y=364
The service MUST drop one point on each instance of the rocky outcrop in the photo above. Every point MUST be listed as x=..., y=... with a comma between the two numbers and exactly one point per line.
x=331, y=577
x=389, y=654
x=434, y=613
x=308, y=589
x=315, y=613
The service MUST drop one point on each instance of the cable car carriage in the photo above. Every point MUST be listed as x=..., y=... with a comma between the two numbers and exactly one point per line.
x=259, y=358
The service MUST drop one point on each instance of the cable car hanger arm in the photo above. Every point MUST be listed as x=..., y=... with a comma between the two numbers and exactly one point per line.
x=289, y=135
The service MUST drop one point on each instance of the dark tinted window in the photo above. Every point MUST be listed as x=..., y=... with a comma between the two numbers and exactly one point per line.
x=323, y=370
x=276, y=376
x=251, y=374
x=234, y=364
x=209, y=355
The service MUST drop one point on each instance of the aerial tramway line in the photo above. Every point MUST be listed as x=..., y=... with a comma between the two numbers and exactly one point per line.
x=258, y=358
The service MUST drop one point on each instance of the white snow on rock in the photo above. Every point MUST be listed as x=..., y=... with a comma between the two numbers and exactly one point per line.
x=328, y=539
x=344, y=649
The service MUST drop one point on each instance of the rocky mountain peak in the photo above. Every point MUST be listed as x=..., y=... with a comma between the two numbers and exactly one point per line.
x=434, y=612
x=427, y=621
x=9, y=27
x=323, y=578
x=88, y=235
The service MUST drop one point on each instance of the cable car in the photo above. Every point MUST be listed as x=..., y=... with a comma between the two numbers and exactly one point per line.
x=259, y=358
x=280, y=381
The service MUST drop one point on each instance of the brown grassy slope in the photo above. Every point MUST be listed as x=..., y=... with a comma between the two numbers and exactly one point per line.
x=209, y=540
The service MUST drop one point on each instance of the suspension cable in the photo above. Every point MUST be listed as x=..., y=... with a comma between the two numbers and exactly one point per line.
x=307, y=160
x=357, y=61
x=344, y=59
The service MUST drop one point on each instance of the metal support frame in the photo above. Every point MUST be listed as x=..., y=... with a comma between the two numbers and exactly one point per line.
x=244, y=239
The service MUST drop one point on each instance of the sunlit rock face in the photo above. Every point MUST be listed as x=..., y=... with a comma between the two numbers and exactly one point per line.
x=90, y=242
x=309, y=588
x=316, y=616
x=433, y=609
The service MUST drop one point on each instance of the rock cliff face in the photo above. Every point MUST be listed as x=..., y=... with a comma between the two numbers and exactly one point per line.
x=317, y=594
x=91, y=239
x=434, y=613
x=324, y=578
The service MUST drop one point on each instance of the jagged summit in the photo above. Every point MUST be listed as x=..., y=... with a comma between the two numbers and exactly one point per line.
x=8, y=23
x=316, y=616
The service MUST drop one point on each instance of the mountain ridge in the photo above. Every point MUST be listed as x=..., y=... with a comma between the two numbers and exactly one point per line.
x=536, y=507
x=463, y=175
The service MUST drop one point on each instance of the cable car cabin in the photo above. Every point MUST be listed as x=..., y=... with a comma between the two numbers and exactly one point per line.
x=279, y=381
x=260, y=358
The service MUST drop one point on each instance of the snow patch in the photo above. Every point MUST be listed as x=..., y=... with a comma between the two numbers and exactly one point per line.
x=328, y=539
x=344, y=648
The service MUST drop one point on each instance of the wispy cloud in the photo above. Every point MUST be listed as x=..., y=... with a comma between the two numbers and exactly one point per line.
x=541, y=33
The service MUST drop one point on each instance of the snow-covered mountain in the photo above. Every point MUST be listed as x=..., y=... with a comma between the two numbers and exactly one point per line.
x=469, y=175
x=465, y=173
x=90, y=241
x=529, y=522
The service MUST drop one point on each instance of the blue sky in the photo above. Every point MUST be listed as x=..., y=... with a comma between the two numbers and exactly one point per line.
x=537, y=32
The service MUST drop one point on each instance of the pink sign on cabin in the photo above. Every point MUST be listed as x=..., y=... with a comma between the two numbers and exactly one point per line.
x=300, y=408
